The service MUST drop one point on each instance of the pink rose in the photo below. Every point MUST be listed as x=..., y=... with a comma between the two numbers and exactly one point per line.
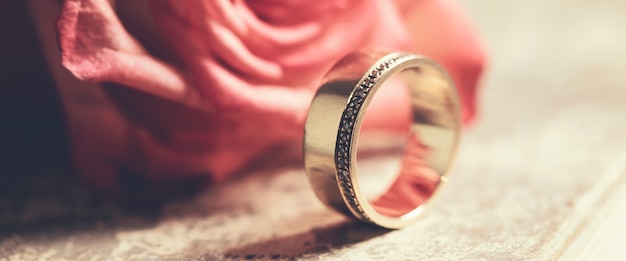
x=195, y=88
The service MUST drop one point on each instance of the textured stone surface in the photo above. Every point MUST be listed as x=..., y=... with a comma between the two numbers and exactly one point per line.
x=547, y=151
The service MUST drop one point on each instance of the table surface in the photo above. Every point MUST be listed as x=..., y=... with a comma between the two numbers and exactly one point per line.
x=541, y=169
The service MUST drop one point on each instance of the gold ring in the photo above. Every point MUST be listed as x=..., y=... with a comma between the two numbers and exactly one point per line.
x=334, y=122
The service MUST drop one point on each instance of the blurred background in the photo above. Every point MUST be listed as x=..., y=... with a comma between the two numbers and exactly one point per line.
x=553, y=120
x=549, y=55
x=540, y=174
x=33, y=135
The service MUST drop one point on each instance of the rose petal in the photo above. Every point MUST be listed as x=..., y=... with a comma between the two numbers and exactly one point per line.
x=440, y=30
x=251, y=66
x=97, y=48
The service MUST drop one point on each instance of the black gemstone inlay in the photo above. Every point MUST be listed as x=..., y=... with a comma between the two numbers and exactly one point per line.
x=343, y=138
x=344, y=134
x=360, y=93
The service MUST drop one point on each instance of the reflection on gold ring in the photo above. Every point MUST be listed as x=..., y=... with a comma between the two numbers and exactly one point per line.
x=333, y=126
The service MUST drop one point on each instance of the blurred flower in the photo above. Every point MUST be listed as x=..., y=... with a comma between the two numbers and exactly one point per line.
x=202, y=88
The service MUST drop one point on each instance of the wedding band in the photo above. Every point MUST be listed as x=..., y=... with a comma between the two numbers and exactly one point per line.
x=334, y=122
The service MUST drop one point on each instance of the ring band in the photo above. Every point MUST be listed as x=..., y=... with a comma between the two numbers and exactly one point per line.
x=334, y=121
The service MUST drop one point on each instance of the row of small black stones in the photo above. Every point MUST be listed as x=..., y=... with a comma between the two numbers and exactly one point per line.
x=346, y=127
